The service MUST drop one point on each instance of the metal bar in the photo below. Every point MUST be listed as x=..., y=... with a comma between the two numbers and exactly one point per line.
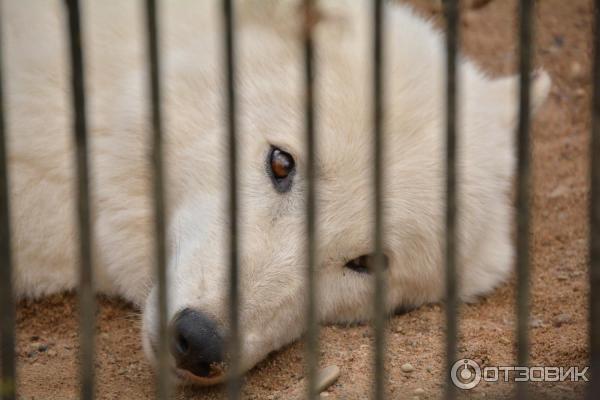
x=312, y=336
x=452, y=40
x=163, y=384
x=594, y=333
x=523, y=184
x=7, y=306
x=379, y=314
x=86, y=285
x=234, y=345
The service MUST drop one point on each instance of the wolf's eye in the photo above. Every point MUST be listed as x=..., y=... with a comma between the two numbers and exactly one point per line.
x=282, y=164
x=365, y=263
x=281, y=167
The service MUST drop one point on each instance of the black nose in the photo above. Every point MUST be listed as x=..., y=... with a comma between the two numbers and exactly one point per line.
x=196, y=342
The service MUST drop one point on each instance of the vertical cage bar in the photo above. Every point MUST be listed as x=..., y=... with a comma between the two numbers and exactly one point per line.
x=234, y=346
x=7, y=306
x=86, y=289
x=379, y=293
x=452, y=40
x=312, y=336
x=594, y=329
x=163, y=386
x=523, y=184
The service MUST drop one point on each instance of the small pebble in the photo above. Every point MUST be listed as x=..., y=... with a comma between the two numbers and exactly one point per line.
x=419, y=392
x=576, y=70
x=407, y=367
x=327, y=377
x=504, y=340
x=559, y=191
x=536, y=323
x=562, y=319
x=324, y=395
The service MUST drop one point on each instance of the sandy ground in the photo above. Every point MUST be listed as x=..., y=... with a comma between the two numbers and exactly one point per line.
x=47, y=330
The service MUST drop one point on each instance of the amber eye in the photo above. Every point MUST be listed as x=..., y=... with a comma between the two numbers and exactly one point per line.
x=281, y=167
x=281, y=164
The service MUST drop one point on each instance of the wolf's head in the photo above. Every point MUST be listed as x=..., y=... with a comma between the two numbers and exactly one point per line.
x=272, y=184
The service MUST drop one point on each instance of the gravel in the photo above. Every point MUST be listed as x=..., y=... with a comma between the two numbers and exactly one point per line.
x=407, y=367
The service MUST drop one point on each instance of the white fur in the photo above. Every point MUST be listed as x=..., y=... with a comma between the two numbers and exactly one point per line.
x=270, y=87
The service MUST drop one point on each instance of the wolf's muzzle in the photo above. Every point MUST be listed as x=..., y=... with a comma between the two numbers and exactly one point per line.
x=197, y=345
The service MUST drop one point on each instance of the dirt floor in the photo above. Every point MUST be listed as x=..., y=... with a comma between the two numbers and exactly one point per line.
x=47, y=330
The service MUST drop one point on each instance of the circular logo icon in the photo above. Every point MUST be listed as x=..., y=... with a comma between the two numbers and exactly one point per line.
x=465, y=374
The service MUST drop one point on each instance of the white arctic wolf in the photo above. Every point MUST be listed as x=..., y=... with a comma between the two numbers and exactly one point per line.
x=272, y=162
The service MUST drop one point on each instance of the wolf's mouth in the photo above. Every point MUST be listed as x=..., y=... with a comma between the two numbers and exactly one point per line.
x=214, y=374
x=214, y=377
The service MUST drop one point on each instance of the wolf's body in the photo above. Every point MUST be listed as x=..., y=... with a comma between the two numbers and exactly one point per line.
x=271, y=114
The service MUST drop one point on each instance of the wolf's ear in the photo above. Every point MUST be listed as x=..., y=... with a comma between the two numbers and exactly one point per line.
x=506, y=91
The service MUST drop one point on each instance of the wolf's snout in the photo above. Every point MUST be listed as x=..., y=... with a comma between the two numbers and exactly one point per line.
x=197, y=345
